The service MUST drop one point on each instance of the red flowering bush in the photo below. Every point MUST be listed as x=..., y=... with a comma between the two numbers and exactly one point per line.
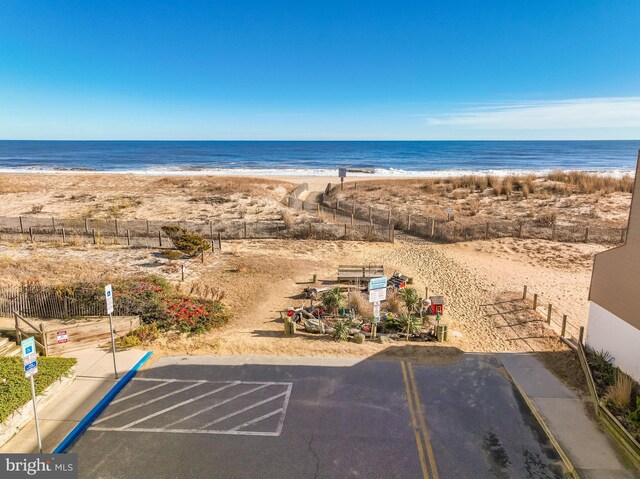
x=192, y=315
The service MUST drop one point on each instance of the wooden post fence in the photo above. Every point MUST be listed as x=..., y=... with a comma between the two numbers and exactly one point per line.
x=21, y=226
x=31, y=233
x=535, y=300
x=564, y=325
x=549, y=310
x=524, y=292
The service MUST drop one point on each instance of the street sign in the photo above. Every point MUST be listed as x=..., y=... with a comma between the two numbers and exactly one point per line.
x=378, y=283
x=30, y=361
x=62, y=337
x=376, y=295
x=342, y=172
x=29, y=357
x=376, y=311
x=108, y=293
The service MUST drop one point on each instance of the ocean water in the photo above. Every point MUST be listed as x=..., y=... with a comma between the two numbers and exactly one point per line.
x=362, y=158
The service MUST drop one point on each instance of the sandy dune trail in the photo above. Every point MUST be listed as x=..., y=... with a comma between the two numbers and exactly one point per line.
x=430, y=265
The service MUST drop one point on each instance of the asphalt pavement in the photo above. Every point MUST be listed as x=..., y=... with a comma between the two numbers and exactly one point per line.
x=217, y=417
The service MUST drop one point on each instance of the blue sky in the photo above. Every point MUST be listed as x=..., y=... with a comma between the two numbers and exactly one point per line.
x=320, y=70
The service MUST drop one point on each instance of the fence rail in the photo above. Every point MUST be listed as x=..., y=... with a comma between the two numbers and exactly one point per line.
x=557, y=319
x=440, y=229
x=149, y=234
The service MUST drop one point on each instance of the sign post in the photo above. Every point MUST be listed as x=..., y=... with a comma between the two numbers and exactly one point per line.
x=108, y=293
x=377, y=293
x=30, y=361
x=342, y=173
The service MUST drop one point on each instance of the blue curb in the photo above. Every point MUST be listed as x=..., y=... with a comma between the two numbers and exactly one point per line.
x=91, y=416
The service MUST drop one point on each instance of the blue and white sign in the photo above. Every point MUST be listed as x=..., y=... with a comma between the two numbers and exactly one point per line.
x=29, y=356
x=377, y=289
x=108, y=293
x=378, y=283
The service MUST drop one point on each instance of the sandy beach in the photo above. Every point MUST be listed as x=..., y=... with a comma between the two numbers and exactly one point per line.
x=263, y=277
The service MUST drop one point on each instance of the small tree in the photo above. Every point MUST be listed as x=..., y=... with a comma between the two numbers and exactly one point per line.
x=410, y=298
x=333, y=300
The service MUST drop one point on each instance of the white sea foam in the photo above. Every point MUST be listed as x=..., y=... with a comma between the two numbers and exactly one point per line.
x=294, y=172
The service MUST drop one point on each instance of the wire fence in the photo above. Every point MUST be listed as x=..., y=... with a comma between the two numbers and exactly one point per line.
x=557, y=319
x=440, y=229
x=149, y=234
x=39, y=301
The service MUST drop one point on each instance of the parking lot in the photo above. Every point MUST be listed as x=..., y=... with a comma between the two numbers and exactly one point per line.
x=216, y=417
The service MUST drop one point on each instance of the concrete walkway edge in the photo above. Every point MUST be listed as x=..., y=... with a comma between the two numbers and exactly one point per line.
x=554, y=441
x=82, y=426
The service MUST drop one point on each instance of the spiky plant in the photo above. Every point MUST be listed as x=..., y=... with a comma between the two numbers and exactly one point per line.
x=410, y=298
x=333, y=300
x=410, y=324
x=340, y=331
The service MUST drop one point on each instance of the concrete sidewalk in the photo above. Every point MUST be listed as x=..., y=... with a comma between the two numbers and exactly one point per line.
x=591, y=451
x=94, y=379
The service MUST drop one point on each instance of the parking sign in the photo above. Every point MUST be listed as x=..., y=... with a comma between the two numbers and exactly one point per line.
x=29, y=357
x=108, y=293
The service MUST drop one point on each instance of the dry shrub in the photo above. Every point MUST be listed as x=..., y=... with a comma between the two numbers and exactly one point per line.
x=395, y=304
x=428, y=186
x=492, y=182
x=359, y=304
x=474, y=207
x=545, y=219
x=507, y=187
x=206, y=291
x=586, y=183
x=619, y=393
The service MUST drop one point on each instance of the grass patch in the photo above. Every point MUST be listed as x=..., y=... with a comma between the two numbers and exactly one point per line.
x=15, y=389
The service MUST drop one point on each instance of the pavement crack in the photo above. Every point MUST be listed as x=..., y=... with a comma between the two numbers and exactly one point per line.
x=315, y=475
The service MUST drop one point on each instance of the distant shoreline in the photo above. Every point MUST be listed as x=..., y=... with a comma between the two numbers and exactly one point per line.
x=328, y=173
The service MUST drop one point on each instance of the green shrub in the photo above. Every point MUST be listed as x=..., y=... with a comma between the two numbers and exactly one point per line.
x=340, y=331
x=143, y=296
x=410, y=324
x=601, y=363
x=634, y=416
x=144, y=333
x=333, y=300
x=15, y=389
x=189, y=243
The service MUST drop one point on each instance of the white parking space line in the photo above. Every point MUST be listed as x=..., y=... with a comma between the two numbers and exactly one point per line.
x=180, y=404
x=124, y=411
x=264, y=401
x=242, y=429
x=258, y=419
x=285, y=405
x=143, y=391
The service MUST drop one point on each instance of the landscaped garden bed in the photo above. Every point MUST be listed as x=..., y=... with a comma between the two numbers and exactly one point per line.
x=616, y=390
x=15, y=389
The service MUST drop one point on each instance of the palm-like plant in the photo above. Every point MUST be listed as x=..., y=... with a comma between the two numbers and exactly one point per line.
x=410, y=324
x=333, y=300
x=410, y=298
x=340, y=331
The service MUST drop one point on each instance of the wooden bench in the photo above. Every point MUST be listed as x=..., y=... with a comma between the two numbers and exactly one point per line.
x=359, y=273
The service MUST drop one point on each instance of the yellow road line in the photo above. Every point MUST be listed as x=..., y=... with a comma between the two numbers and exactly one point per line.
x=414, y=422
x=423, y=424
